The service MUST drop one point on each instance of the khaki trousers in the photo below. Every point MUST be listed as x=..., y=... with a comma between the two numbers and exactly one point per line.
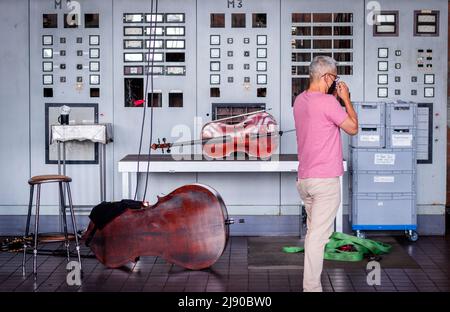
x=321, y=197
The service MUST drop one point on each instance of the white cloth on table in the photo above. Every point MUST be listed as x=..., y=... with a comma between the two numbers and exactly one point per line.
x=97, y=133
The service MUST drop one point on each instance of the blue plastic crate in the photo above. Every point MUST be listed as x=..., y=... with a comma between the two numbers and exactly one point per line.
x=371, y=159
x=401, y=114
x=384, y=211
x=383, y=181
x=369, y=136
x=370, y=113
x=401, y=137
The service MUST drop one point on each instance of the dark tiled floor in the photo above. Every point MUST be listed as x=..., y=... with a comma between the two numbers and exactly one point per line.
x=230, y=273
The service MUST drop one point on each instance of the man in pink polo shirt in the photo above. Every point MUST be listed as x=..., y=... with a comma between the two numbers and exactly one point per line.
x=318, y=119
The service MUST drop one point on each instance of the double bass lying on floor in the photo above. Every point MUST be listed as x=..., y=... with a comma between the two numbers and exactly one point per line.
x=188, y=227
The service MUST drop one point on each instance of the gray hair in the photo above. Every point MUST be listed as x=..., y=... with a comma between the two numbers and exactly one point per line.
x=320, y=66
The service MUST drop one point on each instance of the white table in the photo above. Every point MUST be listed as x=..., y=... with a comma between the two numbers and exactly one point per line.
x=166, y=163
x=96, y=133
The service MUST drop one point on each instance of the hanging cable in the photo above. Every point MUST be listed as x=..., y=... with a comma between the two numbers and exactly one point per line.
x=153, y=45
x=144, y=105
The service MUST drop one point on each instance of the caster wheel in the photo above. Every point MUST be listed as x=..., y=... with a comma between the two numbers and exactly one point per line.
x=360, y=234
x=413, y=236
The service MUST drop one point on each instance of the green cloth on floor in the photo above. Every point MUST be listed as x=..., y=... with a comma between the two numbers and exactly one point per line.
x=361, y=247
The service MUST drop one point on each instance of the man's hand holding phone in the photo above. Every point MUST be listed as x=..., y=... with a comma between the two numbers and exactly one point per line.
x=343, y=92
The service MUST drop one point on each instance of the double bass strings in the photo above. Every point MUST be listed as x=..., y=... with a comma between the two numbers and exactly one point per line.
x=226, y=138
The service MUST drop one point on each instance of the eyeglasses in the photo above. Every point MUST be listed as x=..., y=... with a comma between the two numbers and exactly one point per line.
x=336, y=77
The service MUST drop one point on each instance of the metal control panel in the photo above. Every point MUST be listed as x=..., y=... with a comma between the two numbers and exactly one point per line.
x=238, y=42
x=70, y=64
x=405, y=57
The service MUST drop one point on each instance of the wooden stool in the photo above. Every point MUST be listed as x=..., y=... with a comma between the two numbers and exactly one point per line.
x=38, y=180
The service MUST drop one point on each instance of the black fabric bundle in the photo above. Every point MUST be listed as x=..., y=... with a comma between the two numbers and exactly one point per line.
x=105, y=212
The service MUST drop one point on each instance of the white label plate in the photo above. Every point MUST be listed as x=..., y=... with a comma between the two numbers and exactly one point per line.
x=384, y=159
x=384, y=179
x=369, y=138
x=403, y=140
